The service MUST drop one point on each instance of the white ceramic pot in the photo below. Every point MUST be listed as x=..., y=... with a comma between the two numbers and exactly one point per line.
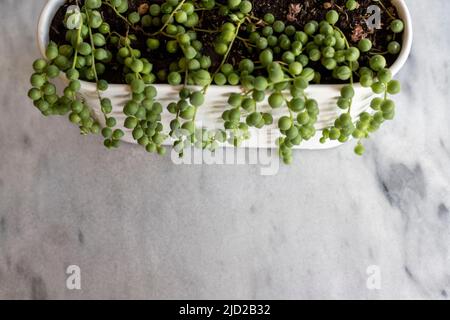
x=209, y=115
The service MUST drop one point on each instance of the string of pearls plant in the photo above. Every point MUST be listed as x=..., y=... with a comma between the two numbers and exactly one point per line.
x=287, y=60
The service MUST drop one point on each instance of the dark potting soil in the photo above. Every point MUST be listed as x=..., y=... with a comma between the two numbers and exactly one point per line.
x=293, y=12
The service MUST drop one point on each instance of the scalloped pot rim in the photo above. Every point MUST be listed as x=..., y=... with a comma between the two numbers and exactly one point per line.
x=52, y=6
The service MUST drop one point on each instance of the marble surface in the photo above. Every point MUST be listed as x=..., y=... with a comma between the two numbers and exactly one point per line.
x=140, y=226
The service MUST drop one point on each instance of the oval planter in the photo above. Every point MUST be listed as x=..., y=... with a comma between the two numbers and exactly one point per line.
x=209, y=115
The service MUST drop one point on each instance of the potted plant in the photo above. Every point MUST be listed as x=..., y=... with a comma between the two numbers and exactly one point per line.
x=208, y=73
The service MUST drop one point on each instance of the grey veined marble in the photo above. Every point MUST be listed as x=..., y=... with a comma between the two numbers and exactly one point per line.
x=330, y=226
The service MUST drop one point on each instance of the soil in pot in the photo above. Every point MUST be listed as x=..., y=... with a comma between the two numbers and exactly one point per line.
x=293, y=12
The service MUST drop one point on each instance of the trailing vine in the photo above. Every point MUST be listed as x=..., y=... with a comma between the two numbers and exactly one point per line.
x=281, y=63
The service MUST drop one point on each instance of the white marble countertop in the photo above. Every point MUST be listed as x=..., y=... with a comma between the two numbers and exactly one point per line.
x=140, y=226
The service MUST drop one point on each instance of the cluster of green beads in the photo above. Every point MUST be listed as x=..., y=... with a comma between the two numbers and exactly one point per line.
x=282, y=62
